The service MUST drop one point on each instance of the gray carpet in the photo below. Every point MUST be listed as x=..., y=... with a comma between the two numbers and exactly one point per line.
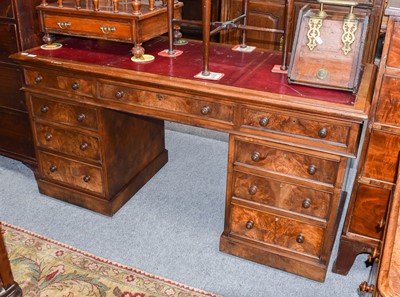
x=170, y=228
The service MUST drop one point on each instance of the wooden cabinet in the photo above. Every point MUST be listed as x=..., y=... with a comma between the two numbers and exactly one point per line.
x=8, y=287
x=284, y=199
x=93, y=157
x=271, y=14
x=365, y=220
x=19, y=30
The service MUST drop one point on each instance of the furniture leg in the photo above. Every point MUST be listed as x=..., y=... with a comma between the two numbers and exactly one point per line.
x=170, y=16
x=206, y=16
x=287, y=35
x=243, y=32
x=347, y=253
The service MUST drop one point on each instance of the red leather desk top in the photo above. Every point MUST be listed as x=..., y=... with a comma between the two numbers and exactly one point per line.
x=244, y=70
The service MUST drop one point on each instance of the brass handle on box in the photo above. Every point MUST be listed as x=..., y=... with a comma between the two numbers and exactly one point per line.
x=107, y=30
x=64, y=25
x=339, y=3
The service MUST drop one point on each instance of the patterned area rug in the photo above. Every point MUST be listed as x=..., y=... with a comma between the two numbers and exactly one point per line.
x=46, y=268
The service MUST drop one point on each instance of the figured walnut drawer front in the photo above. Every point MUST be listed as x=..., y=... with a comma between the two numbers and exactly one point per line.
x=52, y=80
x=70, y=172
x=382, y=156
x=388, y=108
x=287, y=162
x=64, y=113
x=281, y=195
x=277, y=230
x=368, y=217
x=394, y=49
x=296, y=125
x=67, y=141
x=88, y=27
x=170, y=103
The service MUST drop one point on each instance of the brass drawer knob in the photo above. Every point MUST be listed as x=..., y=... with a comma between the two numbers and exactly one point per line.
x=86, y=178
x=75, y=86
x=367, y=288
x=256, y=156
x=44, y=109
x=83, y=146
x=300, y=238
x=264, y=121
x=53, y=168
x=81, y=117
x=119, y=94
x=48, y=136
x=205, y=110
x=312, y=169
x=38, y=79
x=306, y=203
x=253, y=190
x=249, y=224
x=322, y=133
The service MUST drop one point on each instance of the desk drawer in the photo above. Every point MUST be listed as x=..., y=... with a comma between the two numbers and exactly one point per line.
x=70, y=172
x=282, y=195
x=287, y=162
x=286, y=123
x=50, y=79
x=88, y=27
x=169, y=103
x=67, y=141
x=64, y=113
x=277, y=230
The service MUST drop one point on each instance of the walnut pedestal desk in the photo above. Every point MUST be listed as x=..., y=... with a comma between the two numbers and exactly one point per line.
x=98, y=118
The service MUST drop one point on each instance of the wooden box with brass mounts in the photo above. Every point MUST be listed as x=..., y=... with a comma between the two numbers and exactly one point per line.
x=123, y=21
x=328, y=47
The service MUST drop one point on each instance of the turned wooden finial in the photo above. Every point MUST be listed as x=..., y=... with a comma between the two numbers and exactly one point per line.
x=60, y=3
x=44, y=3
x=151, y=4
x=115, y=5
x=78, y=4
x=136, y=6
x=96, y=5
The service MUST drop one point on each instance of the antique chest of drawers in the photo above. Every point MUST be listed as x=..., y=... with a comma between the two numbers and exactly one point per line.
x=89, y=155
x=284, y=199
x=19, y=30
x=377, y=171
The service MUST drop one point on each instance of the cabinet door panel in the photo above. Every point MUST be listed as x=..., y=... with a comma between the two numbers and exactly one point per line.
x=10, y=83
x=388, y=109
x=6, y=9
x=382, y=156
x=266, y=14
x=8, y=44
x=370, y=209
